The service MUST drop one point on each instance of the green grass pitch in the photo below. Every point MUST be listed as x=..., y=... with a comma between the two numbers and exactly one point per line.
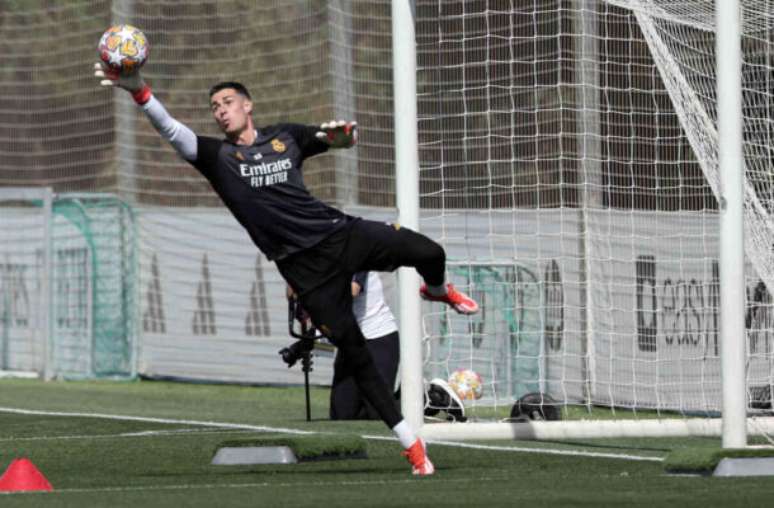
x=150, y=444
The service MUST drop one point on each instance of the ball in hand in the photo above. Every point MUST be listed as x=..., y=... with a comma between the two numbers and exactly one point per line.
x=123, y=49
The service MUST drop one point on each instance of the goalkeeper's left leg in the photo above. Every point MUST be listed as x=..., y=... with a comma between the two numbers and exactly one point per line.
x=330, y=307
x=384, y=247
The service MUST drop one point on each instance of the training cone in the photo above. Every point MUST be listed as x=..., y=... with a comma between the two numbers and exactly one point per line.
x=23, y=476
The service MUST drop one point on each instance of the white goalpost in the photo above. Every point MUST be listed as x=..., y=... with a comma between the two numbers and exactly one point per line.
x=731, y=164
x=628, y=293
x=407, y=203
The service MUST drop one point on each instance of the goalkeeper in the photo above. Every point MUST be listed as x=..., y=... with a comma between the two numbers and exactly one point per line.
x=257, y=173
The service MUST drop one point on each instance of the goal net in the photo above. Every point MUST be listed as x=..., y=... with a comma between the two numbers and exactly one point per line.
x=576, y=142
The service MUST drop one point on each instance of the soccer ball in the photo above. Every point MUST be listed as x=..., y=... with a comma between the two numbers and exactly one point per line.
x=467, y=384
x=123, y=48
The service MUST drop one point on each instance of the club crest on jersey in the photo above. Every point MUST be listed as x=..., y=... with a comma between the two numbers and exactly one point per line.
x=239, y=156
x=278, y=145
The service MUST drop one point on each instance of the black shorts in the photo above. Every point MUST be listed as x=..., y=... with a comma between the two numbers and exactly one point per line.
x=311, y=268
x=363, y=245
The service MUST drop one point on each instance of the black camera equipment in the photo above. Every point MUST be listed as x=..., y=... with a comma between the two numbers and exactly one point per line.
x=302, y=348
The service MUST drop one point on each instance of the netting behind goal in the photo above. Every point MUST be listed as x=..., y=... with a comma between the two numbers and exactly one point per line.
x=577, y=142
x=568, y=164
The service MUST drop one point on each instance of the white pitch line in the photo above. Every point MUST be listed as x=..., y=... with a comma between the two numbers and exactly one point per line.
x=143, y=433
x=544, y=451
x=263, y=428
x=293, y=485
x=554, y=451
x=224, y=425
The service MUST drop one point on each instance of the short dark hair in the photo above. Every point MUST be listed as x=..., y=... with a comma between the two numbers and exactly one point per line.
x=239, y=87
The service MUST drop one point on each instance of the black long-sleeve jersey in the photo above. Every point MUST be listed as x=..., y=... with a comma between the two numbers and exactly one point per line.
x=262, y=185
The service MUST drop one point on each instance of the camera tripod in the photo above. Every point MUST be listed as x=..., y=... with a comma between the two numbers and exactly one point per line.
x=302, y=348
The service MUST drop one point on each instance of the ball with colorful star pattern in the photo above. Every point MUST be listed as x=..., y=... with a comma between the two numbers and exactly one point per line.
x=467, y=384
x=123, y=49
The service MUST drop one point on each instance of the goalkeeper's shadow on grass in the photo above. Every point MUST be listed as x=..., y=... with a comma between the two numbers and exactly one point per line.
x=315, y=467
x=365, y=465
x=332, y=469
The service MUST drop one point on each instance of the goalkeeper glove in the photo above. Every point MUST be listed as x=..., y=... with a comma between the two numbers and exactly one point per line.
x=339, y=134
x=133, y=83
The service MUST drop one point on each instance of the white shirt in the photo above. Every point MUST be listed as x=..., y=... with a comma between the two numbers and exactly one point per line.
x=371, y=311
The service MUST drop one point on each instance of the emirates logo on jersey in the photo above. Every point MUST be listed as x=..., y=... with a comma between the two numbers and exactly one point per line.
x=278, y=145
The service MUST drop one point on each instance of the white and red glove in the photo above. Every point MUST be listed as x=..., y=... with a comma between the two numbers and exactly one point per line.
x=133, y=83
x=339, y=134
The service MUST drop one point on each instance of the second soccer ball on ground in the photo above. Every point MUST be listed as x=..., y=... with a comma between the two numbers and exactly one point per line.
x=467, y=384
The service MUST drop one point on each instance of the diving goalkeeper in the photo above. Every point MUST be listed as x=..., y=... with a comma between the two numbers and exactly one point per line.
x=257, y=172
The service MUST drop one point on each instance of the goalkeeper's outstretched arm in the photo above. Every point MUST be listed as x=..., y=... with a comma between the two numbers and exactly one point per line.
x=182, y=139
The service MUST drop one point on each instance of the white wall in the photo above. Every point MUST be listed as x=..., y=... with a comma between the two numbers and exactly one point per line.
x=653, y=321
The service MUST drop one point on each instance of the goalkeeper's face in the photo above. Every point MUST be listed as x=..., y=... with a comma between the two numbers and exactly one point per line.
x=231, y=111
